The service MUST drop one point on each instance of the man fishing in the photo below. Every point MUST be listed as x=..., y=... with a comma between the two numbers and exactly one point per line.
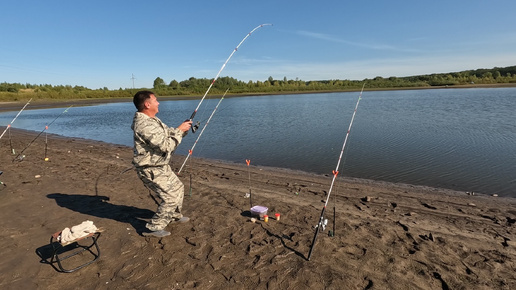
x=154, y=143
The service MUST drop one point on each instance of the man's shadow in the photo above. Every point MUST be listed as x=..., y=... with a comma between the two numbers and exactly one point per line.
x=99, y=206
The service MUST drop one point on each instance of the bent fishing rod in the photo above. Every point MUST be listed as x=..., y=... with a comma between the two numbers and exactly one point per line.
x=20, y=156
x=200, y=134
x=335, y=173
x=196, y=126
x=9, y=126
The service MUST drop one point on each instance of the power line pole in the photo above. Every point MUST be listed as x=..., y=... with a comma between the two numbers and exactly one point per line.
x=132, y=78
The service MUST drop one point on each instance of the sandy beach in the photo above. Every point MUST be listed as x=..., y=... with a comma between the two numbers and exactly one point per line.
x=386, y=236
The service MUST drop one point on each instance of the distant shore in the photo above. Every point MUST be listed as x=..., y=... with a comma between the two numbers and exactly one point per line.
x=55, y=103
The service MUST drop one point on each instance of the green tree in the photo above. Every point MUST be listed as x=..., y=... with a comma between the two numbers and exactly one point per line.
x=174, y=85
x=159, y=83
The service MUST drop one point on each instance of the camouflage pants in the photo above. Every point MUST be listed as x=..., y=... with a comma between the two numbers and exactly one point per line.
x=169, y=188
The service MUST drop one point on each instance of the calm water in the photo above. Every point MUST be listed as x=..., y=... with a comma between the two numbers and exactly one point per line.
x=462, y=139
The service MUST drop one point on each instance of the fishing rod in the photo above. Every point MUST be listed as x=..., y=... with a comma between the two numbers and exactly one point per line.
x=196, y=126
x=20, y=156
x=9, y=126
x=322, y=223
x=203, y=128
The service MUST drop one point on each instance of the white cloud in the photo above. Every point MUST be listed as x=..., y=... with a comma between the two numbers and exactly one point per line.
x=372, y=46
x=387, y=67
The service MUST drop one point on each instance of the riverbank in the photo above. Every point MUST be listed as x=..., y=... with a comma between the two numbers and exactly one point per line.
x=387, y=236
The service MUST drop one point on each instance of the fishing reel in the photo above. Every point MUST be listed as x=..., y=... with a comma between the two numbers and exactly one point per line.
x=321, y=226
x=196, y=126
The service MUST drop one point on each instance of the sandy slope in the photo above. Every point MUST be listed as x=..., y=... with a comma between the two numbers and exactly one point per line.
x=401, y=237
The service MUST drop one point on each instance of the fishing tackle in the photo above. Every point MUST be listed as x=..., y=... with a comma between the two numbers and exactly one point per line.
x=200, y=134
x=9, y=126
x=196, y=126
x=322, y=222
x=20, y=156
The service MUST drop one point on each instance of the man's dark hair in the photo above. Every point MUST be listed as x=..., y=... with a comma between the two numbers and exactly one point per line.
x=140, y=98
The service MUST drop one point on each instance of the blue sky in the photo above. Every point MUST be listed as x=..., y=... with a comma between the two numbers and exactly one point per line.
x=100, y=44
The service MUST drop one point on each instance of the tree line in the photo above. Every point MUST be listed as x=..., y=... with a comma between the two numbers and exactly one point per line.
x=195, y=86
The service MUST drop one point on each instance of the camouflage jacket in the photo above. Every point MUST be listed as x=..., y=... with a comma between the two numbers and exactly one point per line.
x=154, y=141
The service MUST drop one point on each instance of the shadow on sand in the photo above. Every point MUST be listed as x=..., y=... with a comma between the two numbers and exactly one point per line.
x=99, y=206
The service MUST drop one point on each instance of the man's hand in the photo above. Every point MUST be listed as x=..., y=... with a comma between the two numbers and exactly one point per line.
x=185, y=126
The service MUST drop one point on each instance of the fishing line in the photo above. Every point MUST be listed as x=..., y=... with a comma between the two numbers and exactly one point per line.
x=196, y=126
x=9, y=126
x=335, y=173
x=200, y=134
x=20, y=156
x=222, y=108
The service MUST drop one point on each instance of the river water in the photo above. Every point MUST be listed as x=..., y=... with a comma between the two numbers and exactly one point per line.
x=463, y=139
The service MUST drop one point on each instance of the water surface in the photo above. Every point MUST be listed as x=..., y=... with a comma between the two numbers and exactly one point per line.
x=462, y=139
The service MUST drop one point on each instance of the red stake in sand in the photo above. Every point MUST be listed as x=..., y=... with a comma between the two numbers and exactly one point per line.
x=248, y=161
x=19, y=157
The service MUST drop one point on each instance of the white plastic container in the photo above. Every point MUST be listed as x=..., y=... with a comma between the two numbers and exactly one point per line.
x=259, y=211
